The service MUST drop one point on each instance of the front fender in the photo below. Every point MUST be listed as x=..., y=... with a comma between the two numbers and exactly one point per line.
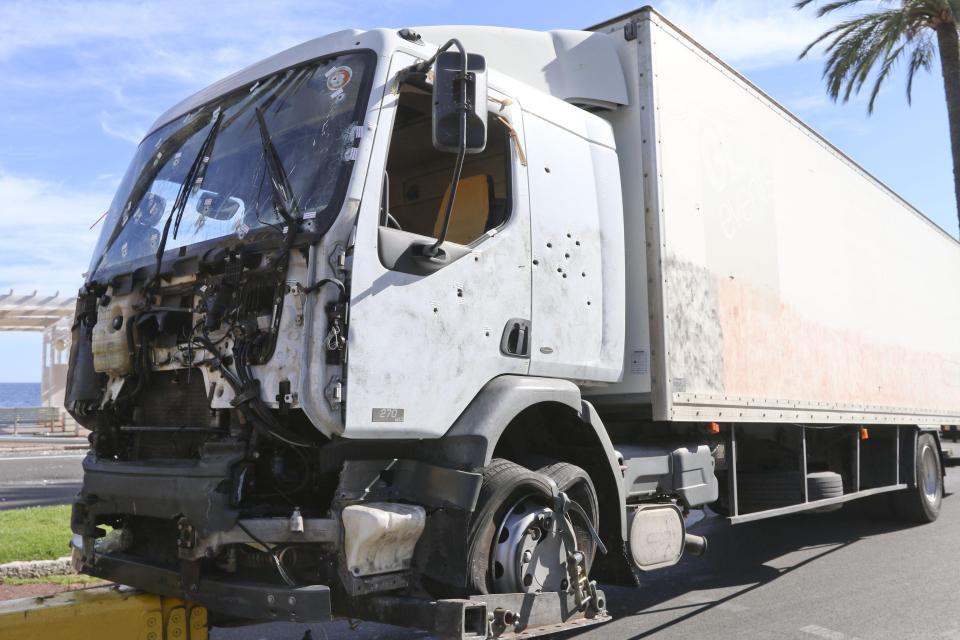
x=485, y=419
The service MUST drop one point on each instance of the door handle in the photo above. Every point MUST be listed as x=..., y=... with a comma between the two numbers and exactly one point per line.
x=516, y=338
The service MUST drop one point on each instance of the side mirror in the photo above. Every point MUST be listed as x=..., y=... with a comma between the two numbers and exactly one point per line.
x=447, y=92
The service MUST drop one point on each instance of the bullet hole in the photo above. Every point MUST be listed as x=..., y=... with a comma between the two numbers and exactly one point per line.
x=459, y=293
x=547, y=169
x=536, y=262
x=566, y=255
x=583, y=274
x=569, y=236
x=577, y=243
x=436, y=310
x=549, y=245
x=559, y=269
x=588, y=303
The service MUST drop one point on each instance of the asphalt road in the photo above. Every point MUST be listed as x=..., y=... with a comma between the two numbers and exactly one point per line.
x=852, y=574
x=39, y=478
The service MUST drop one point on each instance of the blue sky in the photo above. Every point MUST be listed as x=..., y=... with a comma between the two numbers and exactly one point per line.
x=81, y=81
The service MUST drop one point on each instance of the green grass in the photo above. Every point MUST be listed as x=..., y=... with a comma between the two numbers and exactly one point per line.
x=34, y=533
x=65, y=581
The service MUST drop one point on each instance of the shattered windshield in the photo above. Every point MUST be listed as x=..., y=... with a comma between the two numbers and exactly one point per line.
x=311, y=114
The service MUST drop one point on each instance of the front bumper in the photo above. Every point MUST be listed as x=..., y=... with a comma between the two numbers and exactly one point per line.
x=242, y=600
x=197, y=490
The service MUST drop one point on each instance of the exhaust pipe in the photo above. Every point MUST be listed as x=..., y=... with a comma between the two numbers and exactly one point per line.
x=694, y=545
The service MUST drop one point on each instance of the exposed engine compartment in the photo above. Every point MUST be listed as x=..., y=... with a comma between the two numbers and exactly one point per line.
x=194, y=425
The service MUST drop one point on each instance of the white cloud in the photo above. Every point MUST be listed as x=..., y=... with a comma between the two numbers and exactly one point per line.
x=46, y=240
x=132, y=132
x=145, y=56
x=749, y=34
x=161, y=27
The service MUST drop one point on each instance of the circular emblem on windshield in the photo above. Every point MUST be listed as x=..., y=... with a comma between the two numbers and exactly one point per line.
x=338, y=78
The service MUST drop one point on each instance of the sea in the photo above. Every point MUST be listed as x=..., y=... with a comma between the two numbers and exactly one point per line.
x=19, y=394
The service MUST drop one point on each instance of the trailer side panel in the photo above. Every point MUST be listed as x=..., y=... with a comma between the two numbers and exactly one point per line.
x=795, y=286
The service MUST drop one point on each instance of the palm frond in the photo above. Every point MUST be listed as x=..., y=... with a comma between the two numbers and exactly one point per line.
x=879, y=45
x=872, y=44
x=839, y=30
x=888, y=65
x=858, y=45
x=922, y=58
x=837, y=5
x=954, y=7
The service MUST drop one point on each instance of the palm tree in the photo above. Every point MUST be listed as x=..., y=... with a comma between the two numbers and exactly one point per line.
x=910, y=31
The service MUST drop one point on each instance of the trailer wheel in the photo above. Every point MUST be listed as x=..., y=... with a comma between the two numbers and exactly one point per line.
x=921, y=503
x=512, y=546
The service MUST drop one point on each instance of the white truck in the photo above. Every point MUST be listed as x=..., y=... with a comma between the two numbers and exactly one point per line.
x=442, y=326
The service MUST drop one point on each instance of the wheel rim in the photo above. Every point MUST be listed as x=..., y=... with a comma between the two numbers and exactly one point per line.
x=529, y=554
x=929, y=474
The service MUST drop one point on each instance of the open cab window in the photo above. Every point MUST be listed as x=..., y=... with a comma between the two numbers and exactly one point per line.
x=417, y=182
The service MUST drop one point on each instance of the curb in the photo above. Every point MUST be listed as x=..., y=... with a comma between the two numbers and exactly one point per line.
x=37, y=568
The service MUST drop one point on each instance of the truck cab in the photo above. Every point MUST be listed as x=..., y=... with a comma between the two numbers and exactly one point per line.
x=301, y=343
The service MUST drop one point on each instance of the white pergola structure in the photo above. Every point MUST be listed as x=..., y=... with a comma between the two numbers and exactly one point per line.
x=53, y=316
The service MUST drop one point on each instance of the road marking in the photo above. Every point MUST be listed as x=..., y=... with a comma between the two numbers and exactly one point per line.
x=823, y=632
x=35, y=458
x=38, y=484
x=704, y=600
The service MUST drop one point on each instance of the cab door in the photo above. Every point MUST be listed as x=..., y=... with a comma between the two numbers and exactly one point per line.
x=426, y=335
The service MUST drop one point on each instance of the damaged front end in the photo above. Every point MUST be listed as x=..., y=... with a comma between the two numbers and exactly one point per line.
x=207, y=359
x=207, y=477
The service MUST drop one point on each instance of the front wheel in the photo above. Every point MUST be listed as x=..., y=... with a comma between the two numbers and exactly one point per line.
x=921, y=503
x=515, y=543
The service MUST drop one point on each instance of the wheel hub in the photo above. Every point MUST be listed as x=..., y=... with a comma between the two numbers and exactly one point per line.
x=529, y=554
x=929, y=472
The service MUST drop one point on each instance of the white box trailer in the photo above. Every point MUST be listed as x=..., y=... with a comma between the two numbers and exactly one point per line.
x=781, y=282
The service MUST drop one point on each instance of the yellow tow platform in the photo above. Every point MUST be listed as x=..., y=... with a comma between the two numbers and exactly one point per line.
x=102, y=613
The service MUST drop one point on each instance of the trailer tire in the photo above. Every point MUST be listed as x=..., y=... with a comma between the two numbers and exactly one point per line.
x=822, y=485
x=921, y=503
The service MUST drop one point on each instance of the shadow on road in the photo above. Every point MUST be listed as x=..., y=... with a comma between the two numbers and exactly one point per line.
x=750, y=556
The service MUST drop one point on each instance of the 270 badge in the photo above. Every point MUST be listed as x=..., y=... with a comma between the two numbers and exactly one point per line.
x=384, y=414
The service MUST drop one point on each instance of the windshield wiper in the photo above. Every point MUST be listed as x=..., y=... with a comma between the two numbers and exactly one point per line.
x=197, y=172
x=193, y=179
x=283, y=199
x=145, y=179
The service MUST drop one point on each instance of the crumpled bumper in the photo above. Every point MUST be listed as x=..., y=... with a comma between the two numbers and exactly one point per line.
x=250, y=601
